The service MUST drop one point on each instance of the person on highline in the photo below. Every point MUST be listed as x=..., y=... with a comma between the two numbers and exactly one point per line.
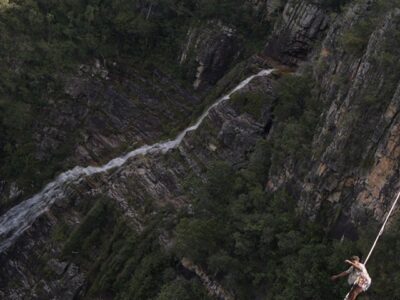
x=359, y=278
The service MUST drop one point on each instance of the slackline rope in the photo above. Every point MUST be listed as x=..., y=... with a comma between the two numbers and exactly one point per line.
x=382, y=228
x=379, y=233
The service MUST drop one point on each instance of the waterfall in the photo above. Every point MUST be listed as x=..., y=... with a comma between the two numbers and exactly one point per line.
x=20, y=217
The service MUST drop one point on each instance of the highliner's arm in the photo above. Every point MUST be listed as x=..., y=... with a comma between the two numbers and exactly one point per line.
x=354, y=264
x=343, y=274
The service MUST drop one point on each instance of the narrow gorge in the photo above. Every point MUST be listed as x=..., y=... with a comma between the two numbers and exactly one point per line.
x=184, y=149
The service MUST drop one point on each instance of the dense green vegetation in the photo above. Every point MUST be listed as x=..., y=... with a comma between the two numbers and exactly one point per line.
x=252, y=242
x=122, y=263
x=251, y=103
x=256, y=244
x=356, y=39
x=334, y=5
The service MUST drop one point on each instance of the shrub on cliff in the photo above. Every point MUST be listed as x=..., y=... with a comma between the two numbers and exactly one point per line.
x=256, y=242
x=296, y=117
x=356, y=40
x=335, y=5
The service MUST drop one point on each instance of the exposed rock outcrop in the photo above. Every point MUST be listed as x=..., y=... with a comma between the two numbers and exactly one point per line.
x=208, y=52
x=213, y=288
x=354, y=175
x=104, y=111
x=156, y=178
x=122, y=111
x=302, y=23
x=268, y=8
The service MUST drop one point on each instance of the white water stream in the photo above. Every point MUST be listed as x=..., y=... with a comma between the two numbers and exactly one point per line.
x=20, y=217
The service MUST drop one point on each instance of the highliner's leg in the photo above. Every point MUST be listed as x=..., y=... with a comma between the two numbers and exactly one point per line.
x=348, y=294
x=355, y=291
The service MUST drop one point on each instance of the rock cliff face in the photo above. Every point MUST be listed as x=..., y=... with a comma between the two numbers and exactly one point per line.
x=359, y=164
x=351, y=177
x=302, y=23
x=354, y=170
x=268, y=8
x=103, y=113
x=210, y=49
x=118, y=104
x=156, y=178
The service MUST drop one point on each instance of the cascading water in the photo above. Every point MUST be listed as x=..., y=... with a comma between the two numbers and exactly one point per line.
x=19, y=218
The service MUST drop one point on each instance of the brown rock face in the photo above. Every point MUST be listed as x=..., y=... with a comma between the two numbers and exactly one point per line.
x=302, y=23
x=355, y=170
x=210, y=49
